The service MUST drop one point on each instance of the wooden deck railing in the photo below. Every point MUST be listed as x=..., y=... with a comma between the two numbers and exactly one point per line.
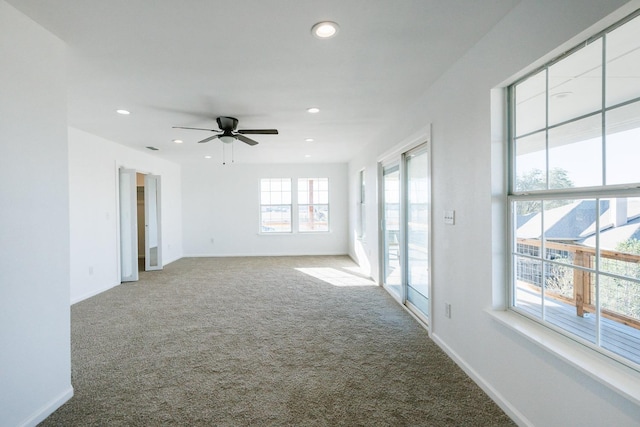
x=584, y=256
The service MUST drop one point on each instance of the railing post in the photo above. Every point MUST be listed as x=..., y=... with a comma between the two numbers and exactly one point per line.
x=578, y=289
x=582, y=282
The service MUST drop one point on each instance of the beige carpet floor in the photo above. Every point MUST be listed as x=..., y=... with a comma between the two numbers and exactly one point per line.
x=266, y=341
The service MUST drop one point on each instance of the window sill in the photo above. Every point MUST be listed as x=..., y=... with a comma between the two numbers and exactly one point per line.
x=619, y=378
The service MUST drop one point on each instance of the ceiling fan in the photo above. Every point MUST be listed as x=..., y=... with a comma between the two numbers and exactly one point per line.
x=228, y=131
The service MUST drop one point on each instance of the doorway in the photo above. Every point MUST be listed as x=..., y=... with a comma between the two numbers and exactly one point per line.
x=140, y=223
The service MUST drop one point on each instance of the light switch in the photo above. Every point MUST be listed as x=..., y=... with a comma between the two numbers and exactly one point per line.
x=450, y=217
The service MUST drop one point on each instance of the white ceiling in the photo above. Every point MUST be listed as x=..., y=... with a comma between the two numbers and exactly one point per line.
x=185, y=62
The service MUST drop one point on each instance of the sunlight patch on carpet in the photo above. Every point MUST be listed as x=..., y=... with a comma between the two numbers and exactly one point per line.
x=336, y=277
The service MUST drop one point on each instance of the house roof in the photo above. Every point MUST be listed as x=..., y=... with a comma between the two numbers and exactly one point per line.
x=576, y=222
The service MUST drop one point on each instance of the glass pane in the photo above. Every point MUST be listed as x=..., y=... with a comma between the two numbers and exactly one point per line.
x=620, y=308
x=561, y=285
x=623, y=63
x=313, y=217
x=623, y=144
x=528, y=223
x=575, y=154
x=418, y=231
x=568, y=222
x=275, y=218
x=528, y=280
x=391, y=191
x=531, y=162
x=575, y=84
x=530, y=104
x=619, y=290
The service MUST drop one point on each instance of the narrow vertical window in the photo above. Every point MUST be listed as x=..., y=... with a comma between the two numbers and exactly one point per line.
x=362, y=212
x=275, y=205
x=313, y=204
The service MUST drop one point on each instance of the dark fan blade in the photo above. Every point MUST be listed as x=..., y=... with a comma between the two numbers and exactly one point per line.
x=208, y=139
x=259, y=131
x=182, y=127
x=246, y=140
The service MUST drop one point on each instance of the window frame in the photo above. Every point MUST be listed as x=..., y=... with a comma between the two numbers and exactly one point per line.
x=599, y=192
x=289, y=205
x=299, y=205
x=294, y=207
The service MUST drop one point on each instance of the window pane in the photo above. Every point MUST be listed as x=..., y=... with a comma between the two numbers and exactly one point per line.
x=560, y=308
x=530, y=104
x=313, y=217
x=575, y=154
x=623, y=63
x=528, y=296
x=528, y=223
x=569, y=221
x=575, y=84
x=623, y=144
x=265, y=198
x=531, y=163
x=275, y=218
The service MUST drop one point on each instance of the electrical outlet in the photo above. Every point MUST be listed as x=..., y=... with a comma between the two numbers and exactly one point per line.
x=447, y=310
x=450, y=217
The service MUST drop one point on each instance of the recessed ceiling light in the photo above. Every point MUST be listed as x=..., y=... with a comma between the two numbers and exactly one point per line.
x=313, y=110
x=123, y=112
x=178, y=141
x=325, y=30
x=307, y=155
x=309, y=140
x=207, y=157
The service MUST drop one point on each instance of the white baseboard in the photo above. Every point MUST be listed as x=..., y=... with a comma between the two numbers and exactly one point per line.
x=269, y=254
x=92, y=293
x=500, y=400
x=48, y=409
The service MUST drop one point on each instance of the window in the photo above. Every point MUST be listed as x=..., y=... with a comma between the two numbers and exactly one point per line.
x=313, y=204
x=275, y=205
x=574, y=193
x=362, y=218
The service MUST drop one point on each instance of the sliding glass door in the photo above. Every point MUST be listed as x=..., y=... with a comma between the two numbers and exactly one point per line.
x=417, y=228
x=405, y=229
x=392, y=270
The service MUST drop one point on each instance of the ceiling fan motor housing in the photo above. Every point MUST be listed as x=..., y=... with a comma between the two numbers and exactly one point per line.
x=227, y=124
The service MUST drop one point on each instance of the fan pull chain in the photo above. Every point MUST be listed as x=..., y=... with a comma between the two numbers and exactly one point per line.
x=232, y=145
x=223, y=162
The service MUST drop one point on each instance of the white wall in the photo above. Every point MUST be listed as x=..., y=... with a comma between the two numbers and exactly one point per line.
x=535, y=386
x=222, y=203
x=93, y=163
x=35, y=373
